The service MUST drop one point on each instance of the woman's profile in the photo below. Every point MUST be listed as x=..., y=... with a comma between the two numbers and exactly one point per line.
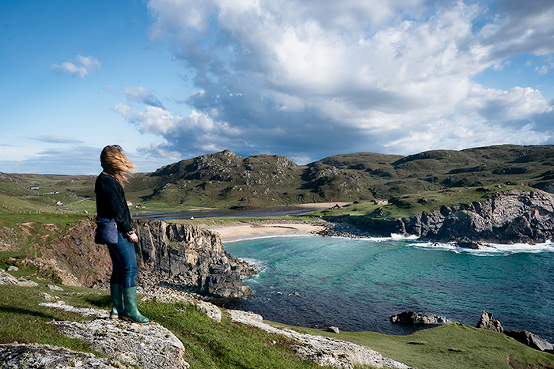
x=112, y=209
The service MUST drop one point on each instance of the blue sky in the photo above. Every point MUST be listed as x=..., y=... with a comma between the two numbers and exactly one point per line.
x=174, y=79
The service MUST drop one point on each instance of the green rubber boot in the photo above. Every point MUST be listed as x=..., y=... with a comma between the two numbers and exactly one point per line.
x=131, y=312
x=117, y=298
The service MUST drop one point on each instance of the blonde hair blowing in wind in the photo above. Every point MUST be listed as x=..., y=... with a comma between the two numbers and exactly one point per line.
x=115, y=163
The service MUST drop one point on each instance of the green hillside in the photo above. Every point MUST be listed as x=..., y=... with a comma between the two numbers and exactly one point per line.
x=226, y=180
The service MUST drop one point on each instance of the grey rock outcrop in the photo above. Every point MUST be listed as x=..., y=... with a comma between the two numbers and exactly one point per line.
x=413, y=318
x=487, y=322
x=6, y=278
x=530, y=339
x=188, y=258
x=148, y=346
x=505, y=218
x=322, y=350
x=17, y=356
x=525, y=337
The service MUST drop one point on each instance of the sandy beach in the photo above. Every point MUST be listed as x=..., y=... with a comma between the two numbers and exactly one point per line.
x=255, y=230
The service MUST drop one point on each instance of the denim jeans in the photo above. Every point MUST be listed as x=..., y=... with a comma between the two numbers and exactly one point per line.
x=124, y=262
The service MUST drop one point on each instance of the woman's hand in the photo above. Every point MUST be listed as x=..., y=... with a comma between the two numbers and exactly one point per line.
x=133, y=238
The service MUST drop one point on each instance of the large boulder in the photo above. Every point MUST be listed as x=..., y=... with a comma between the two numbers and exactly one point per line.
x=413, y=318
x=530, y=339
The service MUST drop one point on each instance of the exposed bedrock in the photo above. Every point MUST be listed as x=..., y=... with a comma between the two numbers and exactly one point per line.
x=188, y=258
x=507, y=217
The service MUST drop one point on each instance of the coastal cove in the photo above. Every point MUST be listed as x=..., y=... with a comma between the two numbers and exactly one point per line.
x=357, y=284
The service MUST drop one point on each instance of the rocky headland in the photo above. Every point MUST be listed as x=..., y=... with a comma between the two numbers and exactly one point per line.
x=188, y=258
x=505, y=218
x=182, y=257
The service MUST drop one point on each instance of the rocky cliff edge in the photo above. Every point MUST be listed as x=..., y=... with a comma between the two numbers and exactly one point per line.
x=505, y=218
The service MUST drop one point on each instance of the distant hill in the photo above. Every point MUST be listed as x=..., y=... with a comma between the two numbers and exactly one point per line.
x=224, y=179
x=227, y=180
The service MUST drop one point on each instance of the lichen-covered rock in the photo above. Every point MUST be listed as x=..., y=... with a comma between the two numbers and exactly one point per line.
x=148, y=346
x=322, y=350
x=96, y=313
x=17, y=356
x=6, y=278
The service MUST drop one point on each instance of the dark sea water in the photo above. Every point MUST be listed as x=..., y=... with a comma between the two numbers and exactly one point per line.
x=357, y=285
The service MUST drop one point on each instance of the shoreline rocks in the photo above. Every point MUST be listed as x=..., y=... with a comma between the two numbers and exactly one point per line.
x=487, y=322
x=531, y=340
x=505, y=218
x=413, y=318
x=525, y=337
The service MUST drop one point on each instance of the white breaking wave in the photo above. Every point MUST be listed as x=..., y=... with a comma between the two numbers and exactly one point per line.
x=490, y=249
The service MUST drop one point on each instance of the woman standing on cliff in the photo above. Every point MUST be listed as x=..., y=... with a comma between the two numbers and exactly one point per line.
x=113, y=216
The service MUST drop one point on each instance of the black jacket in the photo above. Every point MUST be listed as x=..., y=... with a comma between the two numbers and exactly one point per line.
x=111, y=202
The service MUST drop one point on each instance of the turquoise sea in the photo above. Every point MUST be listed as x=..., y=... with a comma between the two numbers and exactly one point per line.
x=357, y=284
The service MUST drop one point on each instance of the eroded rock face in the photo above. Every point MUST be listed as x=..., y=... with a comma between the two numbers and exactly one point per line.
x=171, y=255
x=508, y=217
x=188, y=258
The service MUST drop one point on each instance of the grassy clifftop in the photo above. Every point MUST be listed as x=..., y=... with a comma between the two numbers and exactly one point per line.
x=222, y=345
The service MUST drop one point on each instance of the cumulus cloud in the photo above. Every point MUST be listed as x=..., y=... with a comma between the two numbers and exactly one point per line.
x=308, y=78
x=80, y=67
x=195, y=134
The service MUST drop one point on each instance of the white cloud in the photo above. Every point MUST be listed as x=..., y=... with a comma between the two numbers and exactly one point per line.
x=462, y=133
x=197, y=133
x=349, y=75
x=82, y=66
x=515, y=104
x=157, y=150
x=74, y=160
